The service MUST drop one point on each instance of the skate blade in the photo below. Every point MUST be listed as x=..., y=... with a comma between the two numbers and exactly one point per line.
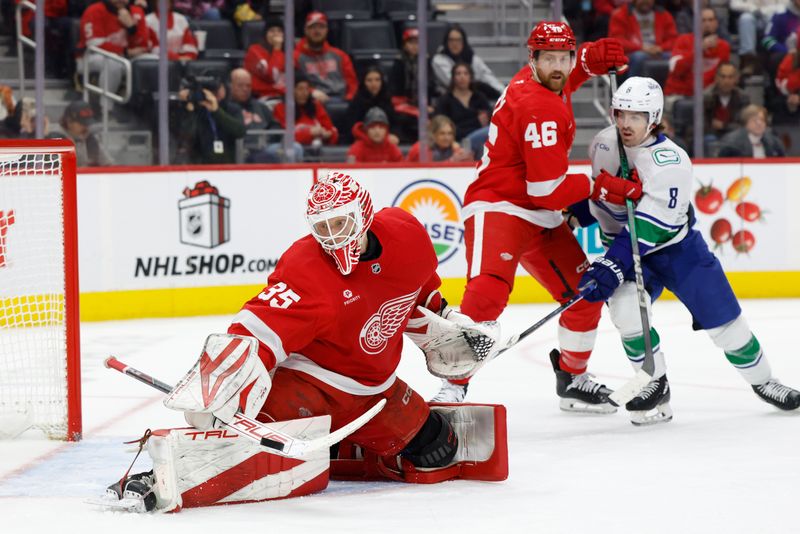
x=660, y=414
x=112, y=504
x=574, y=405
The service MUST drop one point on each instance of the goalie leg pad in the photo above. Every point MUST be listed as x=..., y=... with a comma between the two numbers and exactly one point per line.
x=204, y=468
x=482, y=452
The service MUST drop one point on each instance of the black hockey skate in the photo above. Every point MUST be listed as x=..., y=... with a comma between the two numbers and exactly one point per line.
x=579, y=393
x=775, y=393
x=134, y=495
x=651, y=405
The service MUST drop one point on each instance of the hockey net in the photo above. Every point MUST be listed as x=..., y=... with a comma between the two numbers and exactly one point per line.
x=39, y=324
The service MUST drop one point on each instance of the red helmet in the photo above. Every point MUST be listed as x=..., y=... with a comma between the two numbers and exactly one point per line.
x=552, y=36
x=339, y=212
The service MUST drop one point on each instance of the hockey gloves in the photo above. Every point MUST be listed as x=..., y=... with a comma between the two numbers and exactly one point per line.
x=615, y=190
x=606, y=273
x=599, y=57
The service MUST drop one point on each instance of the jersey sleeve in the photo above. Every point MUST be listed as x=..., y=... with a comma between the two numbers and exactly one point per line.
x=285, y=317
x=543, y=138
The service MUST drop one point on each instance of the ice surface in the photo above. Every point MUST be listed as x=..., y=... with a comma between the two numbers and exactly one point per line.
x=727, y=462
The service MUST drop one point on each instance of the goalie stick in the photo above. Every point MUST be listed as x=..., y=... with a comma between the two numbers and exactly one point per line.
x=632, y=387
x=265, y=434
x=516, y=338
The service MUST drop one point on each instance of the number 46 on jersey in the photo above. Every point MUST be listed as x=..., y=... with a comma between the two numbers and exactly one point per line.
x=544, y=136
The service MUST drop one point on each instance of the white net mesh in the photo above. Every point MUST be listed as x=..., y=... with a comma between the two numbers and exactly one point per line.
x=33, y=357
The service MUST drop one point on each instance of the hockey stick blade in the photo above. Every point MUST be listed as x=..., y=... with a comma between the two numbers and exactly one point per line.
x=266, y=434
x=627, y=391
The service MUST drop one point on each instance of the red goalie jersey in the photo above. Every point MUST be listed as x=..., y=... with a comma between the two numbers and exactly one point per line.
x=524, y=166
x=344, y=330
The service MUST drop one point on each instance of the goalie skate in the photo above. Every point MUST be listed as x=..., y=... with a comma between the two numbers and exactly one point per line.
x=451, y=393
x=651, y=405
x=136, y=497
x=580, y=393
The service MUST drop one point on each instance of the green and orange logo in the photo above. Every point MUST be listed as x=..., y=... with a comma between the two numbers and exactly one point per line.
x=438, y=208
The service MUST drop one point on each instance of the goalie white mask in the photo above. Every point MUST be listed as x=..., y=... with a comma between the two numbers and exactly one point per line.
x=640, y=94
x=339, y=212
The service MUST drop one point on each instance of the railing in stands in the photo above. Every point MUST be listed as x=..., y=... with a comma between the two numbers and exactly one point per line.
x=22, y=42
x=105, y=94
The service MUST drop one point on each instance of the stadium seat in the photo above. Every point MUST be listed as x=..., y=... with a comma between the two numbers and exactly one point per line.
x=252, y=32
x=344, y=9
x=658, y=69
x=400, y=9
x=220, y=34
x=144, y=76
x=683, y=116
x=368, y=37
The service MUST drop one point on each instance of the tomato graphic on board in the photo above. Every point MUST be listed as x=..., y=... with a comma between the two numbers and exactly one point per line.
x=749, y=211
x=708, y=199
x=721, y=232
x=743, y=241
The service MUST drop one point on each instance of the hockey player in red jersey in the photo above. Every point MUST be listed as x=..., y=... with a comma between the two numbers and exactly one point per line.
x=329, y=330
x=513, y=208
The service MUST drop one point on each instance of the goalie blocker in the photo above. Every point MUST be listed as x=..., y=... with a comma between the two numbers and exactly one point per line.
x=194, y=468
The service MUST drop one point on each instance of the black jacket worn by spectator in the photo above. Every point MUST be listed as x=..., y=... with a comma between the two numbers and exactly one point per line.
x=465, y=118
x=197, y=131
x=737, y=145
x=362, y=102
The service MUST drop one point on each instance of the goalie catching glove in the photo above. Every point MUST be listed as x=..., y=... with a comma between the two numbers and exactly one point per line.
x=455, y=346
x=228, y=377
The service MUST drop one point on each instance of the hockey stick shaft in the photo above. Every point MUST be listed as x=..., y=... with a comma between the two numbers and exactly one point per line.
x=513, y=340
x=631, y=388
x=264, y=433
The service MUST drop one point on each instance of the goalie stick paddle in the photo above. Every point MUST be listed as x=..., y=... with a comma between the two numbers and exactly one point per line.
x=265, y=434
x=632, y=387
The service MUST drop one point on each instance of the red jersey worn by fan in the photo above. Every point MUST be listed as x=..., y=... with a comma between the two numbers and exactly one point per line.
x=513, y=209
x=181, y=42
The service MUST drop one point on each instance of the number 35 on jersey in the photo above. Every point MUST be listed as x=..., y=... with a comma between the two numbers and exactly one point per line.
x=544, y=135
x=279, y=296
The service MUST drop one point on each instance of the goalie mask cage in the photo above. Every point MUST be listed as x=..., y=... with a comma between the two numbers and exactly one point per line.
x=39, y=320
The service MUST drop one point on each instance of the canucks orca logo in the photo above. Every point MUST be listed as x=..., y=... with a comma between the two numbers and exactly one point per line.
x=438, y=208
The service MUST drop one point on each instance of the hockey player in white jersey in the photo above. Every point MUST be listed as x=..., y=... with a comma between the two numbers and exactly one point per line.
x=673, y=254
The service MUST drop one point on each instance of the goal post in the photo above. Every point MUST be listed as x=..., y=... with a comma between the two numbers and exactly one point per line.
x=39, y=319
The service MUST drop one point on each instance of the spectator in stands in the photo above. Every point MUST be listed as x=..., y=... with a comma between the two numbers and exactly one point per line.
x=201, y=9
x=781, y=29
x=716, y=50
x=59, y=53
x=207, y=124
x=645, y=32
x=372, y=140
x=753, y=140
x=469, y=109
x=77, y=122
x=723, y=103
x=21, y=123
x=181, y=42
x=441, y=142
x=682, y=14
x=313, y=126
x=456, y=49
x=267, y=62
x=403, y=83
x=751, y=20
x=7, y=102
x=117, y=28
x=372, y=92
x=669, y=131
x=602, y=14
x=328, y=68
x=261, y=148
x=788, y=79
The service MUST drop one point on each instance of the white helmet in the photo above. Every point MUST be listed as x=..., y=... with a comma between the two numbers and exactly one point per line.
x=640, y=94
